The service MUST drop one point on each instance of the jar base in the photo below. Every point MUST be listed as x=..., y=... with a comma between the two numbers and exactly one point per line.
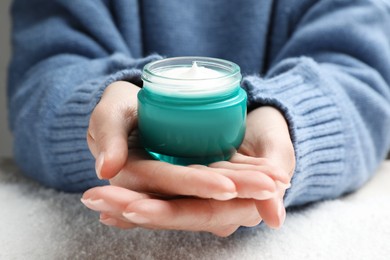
x=184, y=161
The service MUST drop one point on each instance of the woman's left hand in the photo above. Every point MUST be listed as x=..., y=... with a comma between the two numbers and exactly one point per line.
x=267, y=149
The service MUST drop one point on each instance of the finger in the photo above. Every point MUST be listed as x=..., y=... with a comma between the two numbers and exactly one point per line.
x=193, y=214
x=239, y=161
x=224, y=231
x=184, y=214
x=272, y=211
x=150, y=176
x=249, y=183
x=110, y=220
x=110, y=124
x=110, y=199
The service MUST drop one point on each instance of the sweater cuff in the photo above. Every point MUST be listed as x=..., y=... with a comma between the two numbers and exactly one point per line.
x=67, y=146
x=310, y=108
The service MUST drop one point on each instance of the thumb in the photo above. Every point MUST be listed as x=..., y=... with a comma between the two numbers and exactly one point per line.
x=114, y=117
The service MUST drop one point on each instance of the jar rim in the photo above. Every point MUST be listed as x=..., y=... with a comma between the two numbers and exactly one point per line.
x=221, y=63
x=193, y=87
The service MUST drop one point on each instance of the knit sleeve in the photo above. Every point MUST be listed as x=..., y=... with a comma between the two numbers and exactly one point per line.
x=64, y=55
x=331, y=81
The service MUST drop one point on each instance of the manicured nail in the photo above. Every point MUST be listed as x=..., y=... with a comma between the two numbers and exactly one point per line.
x=281, y=213
x=135, y=218
x=99, y=165
x=225, y=196
x=98, y=205
x=108, y=221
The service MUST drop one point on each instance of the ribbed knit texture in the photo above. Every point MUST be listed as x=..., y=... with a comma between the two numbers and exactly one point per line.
x=324, y=64
x=316, y=128
x=67, y=133
x=56, y=147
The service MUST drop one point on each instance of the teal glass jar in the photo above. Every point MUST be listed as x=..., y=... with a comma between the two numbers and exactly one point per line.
x=191, y=110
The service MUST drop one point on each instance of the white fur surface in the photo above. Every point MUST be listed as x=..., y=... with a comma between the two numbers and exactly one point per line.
x=40, y=223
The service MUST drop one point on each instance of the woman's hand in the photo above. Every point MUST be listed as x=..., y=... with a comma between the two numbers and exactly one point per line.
x=267, y=137
x=218, y=199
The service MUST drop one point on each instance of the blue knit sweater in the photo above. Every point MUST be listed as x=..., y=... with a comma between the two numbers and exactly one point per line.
x=325, y=64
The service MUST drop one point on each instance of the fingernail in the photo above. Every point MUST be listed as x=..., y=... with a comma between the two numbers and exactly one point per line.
x=99, y=165
x=108, y=221
x=135, y=218
x=263, y=195
x=225, y=196
x=98, y=205
x=285, y=186
x=281, y=213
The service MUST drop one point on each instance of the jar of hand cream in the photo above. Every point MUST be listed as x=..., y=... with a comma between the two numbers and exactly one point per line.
x=191, y=110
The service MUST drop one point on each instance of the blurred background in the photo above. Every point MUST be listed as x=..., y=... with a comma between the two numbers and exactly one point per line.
x=5, y=51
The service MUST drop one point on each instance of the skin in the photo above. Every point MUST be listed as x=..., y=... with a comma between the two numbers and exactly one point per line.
x=217, y=198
